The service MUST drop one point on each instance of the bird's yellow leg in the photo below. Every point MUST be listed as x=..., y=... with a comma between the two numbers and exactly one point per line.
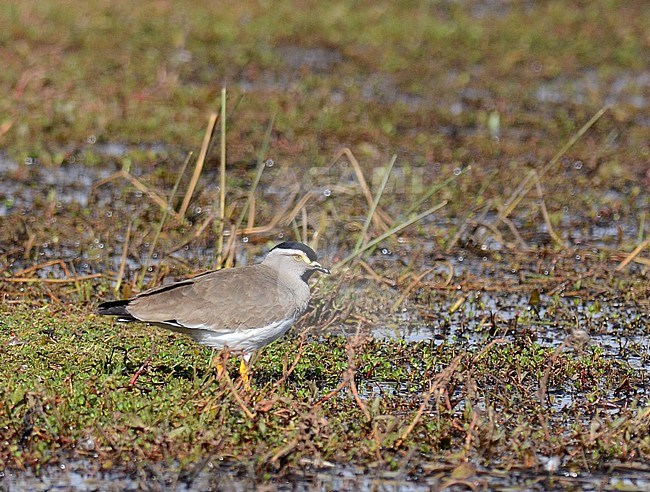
x=245, y=374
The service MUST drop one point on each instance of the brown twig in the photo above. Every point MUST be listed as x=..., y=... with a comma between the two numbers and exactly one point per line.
x=53, y=280
x=439, y=382
x=632, y=255
x=236, y=395
x=288, y=372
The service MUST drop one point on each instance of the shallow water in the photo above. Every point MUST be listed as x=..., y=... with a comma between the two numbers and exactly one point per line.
x=85, y=477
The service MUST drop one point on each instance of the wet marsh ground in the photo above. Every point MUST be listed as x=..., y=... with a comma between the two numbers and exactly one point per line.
x=498, y=339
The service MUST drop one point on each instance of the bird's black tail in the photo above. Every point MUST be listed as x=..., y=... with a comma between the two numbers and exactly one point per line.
x=116, y=308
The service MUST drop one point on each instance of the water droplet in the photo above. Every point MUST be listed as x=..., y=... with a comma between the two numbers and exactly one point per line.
x=578, y=257
x=457, y=171
x=327, y=192
x=577, y=165
x=485, y=258
x=139, y=194
x=91, y=139
x=385, y=251
x=280, y=235
x=546, y=272
x=401, y=240
x=197, y=210
x=269, y=163
x=150, y=269
x=155, y=255
x=109, y=213
x=62, y=466
x=484, y=247
x=244, y=239
x=101, y=245
x=461, y=258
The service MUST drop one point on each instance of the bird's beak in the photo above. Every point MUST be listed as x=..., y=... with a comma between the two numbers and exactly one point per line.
x=319, y=268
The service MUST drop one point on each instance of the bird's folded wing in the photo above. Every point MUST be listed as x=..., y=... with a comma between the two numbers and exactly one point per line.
x=223, y=300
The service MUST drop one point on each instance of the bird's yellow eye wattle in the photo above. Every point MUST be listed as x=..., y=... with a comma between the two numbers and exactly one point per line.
x=298, y=257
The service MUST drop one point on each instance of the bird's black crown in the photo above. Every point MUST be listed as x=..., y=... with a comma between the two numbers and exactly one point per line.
x=311, y=254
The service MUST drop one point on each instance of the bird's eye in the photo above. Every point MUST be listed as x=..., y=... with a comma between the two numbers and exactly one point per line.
x=297, y=257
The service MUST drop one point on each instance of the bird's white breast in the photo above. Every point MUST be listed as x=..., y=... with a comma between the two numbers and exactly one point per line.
x=246, y=340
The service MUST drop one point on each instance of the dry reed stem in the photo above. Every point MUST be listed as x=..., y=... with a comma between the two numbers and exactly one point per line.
x=251, y=213
x=277, y=218
x=632, y=256
x=200, y=161
x=466, y=221
x=432, y=191
x=29, y=244
x=371, y=212
x=318, y=231
x=199, y=231
x=298, y=207
x=305, y=221
x=375, y=276
x=230, y=250
x=392, y=231
x=125, y=252
x=222, y=181
x=497, y=233
x=5, y=127
x=525, y=186
x=163, y=219
x=515, y=232
x=261, y=166
x=155, y=197
x=547, y=219
x=381, y=219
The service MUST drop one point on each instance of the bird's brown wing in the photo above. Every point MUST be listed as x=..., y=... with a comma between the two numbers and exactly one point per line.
x=222, y=300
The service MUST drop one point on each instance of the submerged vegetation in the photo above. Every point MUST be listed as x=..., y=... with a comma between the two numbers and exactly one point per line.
x=475, y=173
